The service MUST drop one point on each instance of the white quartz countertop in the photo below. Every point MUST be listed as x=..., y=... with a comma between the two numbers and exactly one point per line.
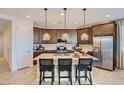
x=62, y=55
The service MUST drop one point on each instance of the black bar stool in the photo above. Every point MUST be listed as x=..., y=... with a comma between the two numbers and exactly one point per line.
x=46, y=65
x=86, y=66
x=65, y=65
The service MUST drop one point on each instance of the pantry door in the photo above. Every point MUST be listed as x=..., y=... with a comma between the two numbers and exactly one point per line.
x=24, y=46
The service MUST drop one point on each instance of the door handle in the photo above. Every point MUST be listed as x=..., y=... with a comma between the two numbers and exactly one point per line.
x=28, y=51
x=101, y=57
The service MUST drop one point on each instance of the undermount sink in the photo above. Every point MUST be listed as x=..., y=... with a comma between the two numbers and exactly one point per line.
x=62, y=54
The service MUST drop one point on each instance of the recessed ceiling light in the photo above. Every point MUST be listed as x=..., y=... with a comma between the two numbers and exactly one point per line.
x=28, y=16
x=107, y=16
x=61, y=14
x=76, y=23
x=53, y=23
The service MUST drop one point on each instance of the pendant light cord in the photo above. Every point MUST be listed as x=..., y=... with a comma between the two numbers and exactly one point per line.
x=65, y=18
x=46, y=17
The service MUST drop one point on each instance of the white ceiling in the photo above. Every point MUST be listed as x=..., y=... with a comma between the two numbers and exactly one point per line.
x=3, y=24
x=93, y=16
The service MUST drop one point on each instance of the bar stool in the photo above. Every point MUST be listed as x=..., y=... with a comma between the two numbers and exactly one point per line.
x=86, y=66
x=46, y=65
x=65, y=65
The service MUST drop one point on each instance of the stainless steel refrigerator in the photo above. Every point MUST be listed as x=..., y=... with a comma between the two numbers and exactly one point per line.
x=103, y=50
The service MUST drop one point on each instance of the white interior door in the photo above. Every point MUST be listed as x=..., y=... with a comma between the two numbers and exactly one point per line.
x=24, y=48
x=1, y=44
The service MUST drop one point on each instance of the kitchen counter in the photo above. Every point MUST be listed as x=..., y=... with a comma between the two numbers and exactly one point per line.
x=55, y=57
x=38, y=52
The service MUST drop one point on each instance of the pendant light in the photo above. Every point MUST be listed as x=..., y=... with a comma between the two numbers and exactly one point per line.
x=65, y=18
x=84, y=16
x=84, y=36
x=65, y=35
x=46, y=36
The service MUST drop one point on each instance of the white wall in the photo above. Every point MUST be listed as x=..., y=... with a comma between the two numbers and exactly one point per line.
x=13, y=54
x=24, y=43
x=17, y=24
x=1, y=43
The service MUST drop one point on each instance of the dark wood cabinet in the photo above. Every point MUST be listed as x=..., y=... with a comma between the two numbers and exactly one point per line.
x=35, y=54
x=97, y=30
x=36, y=36
x=89, y=32
x=103, y=29
x=52, y=34
x=60, y=32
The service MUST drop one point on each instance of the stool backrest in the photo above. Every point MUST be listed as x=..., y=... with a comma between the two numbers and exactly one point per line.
x=46, y=64
x=85, y=63
x=65, y=62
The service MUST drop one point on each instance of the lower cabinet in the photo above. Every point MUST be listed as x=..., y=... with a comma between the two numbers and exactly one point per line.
x=35, y=54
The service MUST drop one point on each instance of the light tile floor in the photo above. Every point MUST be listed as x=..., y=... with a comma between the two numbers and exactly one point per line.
x=27, y=76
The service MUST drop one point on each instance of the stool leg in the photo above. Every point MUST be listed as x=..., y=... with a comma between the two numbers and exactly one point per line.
x=52, y=78
x=85, y=75
x=40, y=78
x=79, y=76
x=43, y=75
x=90, y=77
x=53, y=75
x=71, y=77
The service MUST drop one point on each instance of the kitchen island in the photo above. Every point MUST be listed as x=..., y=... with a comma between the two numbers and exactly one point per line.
x=55, y=57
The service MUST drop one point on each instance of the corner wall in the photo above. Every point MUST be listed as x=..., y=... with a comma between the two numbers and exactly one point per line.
x=13, y=54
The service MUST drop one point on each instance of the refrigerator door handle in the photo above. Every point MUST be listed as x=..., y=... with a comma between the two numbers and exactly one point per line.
x=101, y=58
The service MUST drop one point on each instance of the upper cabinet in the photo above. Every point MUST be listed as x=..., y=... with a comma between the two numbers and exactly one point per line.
x=36, y=35
x=108, y=29
x=54, y=34
x=103, y=29
x=80, y=36
x=59, y=33
x=84, y=36
x=97, y=30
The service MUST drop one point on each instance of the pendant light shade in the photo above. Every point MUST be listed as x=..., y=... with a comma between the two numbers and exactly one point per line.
x=65, y=36
x=46, y=36
x=84, y=36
